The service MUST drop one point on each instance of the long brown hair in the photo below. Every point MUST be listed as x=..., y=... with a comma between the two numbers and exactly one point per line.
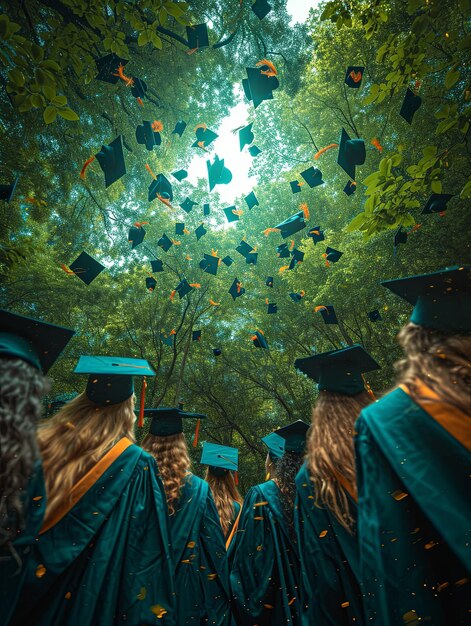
x=21, y=386
x=75, y=439
x=171, y=454
x=440, y=361
x=225, y=493
x=286, y=469
x=330, y=448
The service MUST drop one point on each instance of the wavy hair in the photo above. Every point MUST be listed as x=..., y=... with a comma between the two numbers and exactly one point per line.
x=75, y=439
x=330, y=449
x=22, y=387
x=173, y=461
x=225, y=493
x=286, y=469
x=438, y=360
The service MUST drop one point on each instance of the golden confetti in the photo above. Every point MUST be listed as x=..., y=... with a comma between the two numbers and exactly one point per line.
x=268, y=606
x=258, y=518
x=96, y=513
x=145, y=468
x=261, y=503
x=40, y=571
x=36, y=498
x=212, y=576
x=259, y=548
x=158, y=611
x=410, y=618
x=323, y=533
x=142, y=594
x=344, y=605
x=202, y=567
x=267, y=477
x=185, y=561
x=191, y=544
x=399, y=495
x=430, y=544
x=461, y=582
x=68, y=595
x=442, y=586
x=291, y=601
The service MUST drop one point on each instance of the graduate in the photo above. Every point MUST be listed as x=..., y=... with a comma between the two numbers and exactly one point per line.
x=221, y=472
x=265, y=567
x=28, y=349
x=326, y=502
x=413, y=451
x=102, y=555
x=199, y=553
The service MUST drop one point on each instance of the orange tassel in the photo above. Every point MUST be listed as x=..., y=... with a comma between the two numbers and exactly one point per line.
x=66, y=269
x=266, y=300
x=139, y=101
x=272, y=71
x=195, y=285
x=442, y=213
x=85, y=165
x=416, y=227
x=368, y=388
x=305, y=209
x=172, y=332
x=238, y=212
x=140, y=421
x=197, y=433
x=164, y=201
x=303, y=293
x=239, y=286
x=320, y=308
x=157, y=126
x=129, y=82
x=192, y=51
x=355, y=76
x=291, y=244
x=322, y=150
x=176, y=243
x=212, y=303
x=267, y=231
x=188, y=257
x=201, y=145
x=186, y=231
x=236, y=478
x=283, y=268
x=326, y=261
x=172, y=295
x=203, y=126
x=214, y=252
x=140, y=224
x=148, y=168
x=376, y=144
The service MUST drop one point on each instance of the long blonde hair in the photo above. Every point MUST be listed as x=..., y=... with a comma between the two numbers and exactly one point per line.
x=75, y=439
x=171, y=454
x=330, y=448
x=225, y=493
x=440, y=361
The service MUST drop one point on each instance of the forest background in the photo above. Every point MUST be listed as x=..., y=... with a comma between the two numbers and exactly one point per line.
x=54, y=115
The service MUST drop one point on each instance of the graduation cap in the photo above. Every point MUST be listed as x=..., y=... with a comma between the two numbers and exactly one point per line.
x=296, y=297
x=210, y=264
x=374, y=316
x=275, y=444
x=136, y=236
x=167, y=339
x=297, y=257
x=188, y=204
x=146, y=135
x=165, y=243
x=246, y=136
x=196, y=335
x=295, y=186
x=206, y=209
x=179, y=128
x=354, y=75
x=259, y=340
x=251, y=258
x=180, y=175
x=204, y=137
x=400, y=236
x=180, y=228
x=217, y=351
x=86, y=267
x=254, y=151
x=294, y=435
x=410, y=105
x=257, y=86
x=111, y=160
x=350, y=188
x=139, y=88
x=328, y=314
x=151, y=283
x=34, y=341
x=442, y=300
x=261, y=8
x=236, y=290
x=437, y=203
x=272, y=308
x=312, y=176
x=228, y=261
x=269, y=281
x=332, y=255
x=231, y=216
x=316, y=234
x=283, y=251
x=162, y=187
x=244, y=248
x=218, y=174
x=221, y=457
x=107, y=67
x=251, y=200
x=197, y=36
x=292, y=225
x=352, y=152
x=7, y=191
x=183, y=288
x=200, y=232
x=110, y=378
x=339, y=371
x=167, y=422
x=157, y=265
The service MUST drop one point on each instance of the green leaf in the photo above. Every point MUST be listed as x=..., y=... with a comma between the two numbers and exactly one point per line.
x=143, y=38
x=436, y=186
x=59, y=100
x=466, y=191
x=50, y=65
x=16, y=77
x=156, y=41
x=174, y=9
x=37, y=53
x=49, y=92
x=372, y=179
x=356, y=222
x=68, y=114
x=37, y=100
x=445, y=125
x=50, y=114
x=451, y=78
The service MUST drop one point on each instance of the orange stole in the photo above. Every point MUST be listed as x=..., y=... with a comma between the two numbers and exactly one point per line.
x=234, y=530
x=87, y=481
x=349, y=488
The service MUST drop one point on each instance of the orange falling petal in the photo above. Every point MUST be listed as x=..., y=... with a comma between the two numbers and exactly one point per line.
x=212, y=303
x=376, y=144
x=283, y=268
x=268, y=606
x=344, y=605
x=272, y=71
x=191, y=544
x=305, y=209
x=323, y=533
x=157, y=126
x=399, y=495
x=37, y=498
x=139, y=101
x=322, y=150
x=82, y=172
x=172, y=295
x=148, y=168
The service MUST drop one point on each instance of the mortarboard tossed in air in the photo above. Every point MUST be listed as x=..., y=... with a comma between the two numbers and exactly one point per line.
x=86, y=268
x=259, y=340
x=410, y=105
x=353, y=76
x=374, y=316
x=332, y=255
x=136, y=235
x=218, y=174
x=33, y=341
x=217, y=351
x=196, y=335
x=162, y=187
x=168, y=422
x=313, y=177
x=165, y=243
x=179, y=128
x=339, y=371
x=297, y=257
x=295, y=186
x=292, y=225
x=316, y=234
x=236, y=290
x=261, y=8
x=441, y=300
x=167, y=339
x=251, y=200
x=272, y=308
x=151, y=283
x=282, y=251
x=258, y=86
x=246, y=136
x=220, y=459
x=183, y=288
x=400, y=236
x=138, y=88
x=251, y=258
x=180, y=175
x=294, y=435
x=350, y=188
x=437, y=203
x=7, y=191
x=254, y=151
x=157, y=265
x=107, y=67
x=269, y=281
x=146, y=135
x=206, y=209
x=296, y=297
x=197, y=36
x=180, y=228
x=328, y=313
x=275, y=444
x=244, y=248
x=111, y=160
x=231, y=216
x=188, y=204
x=210, y=264
x=204, y=137
x=352, y=152
x=200, y=232
x=228, y=261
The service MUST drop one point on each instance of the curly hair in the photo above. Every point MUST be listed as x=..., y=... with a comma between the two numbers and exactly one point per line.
x=286, y=469
x=22, y=387
x=438, y=360
x=330, y=448
x=75, y=439
x=225, y=493
x=173, y=461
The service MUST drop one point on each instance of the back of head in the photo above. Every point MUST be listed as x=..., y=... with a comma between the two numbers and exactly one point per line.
x=286, y=469
x=225, y=493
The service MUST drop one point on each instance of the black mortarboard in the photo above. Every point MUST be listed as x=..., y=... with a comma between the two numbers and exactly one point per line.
x=217, y=351
x=136, y=236
x=168, y=422
x=354, y=75
x=292, y=225
x=200, y=232
x=107, y=67
x=197, y=36
x=146, y=135
x=352, y=152
x=298, y=257
x=313, y=177
x=188, y=204
x=228, y=261
x=183, y=288
x=139, y=88
x=350, y=188
x=151, y=283
x=410, y=105
x=332, y=255
x=86, y=267
x=236, y=290
x=160, y=186
x=196, y=335
x=254, y=151
x=210, y=264
x=246, y=136
x=339, y=371
x=180, y=228
x=157, y=265
x=165, y=243
x=283, y=251
x=259, y=87
x=111, y=160
x=272, y=308
x=231, y=216
x=259, y=340
x=251, y=258
x=400, y=236
x=295, y=187
x=437, y=203
x=179, y=128
x=251, y=200
x=180, y=175
x=244, y=248
x=34, y=341
x=261, y=8
x=442, y=300
x=294, y=435
x=204, y=136
x=269, y=281
x=316, y=234
x=296, y=297
x=374, y=316
x=206, y=209
x=328, y=314
x=7, y=191
x=218, y=174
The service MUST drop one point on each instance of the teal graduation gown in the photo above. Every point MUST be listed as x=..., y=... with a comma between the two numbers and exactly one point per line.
x=414, y=520
x=106, y=562
x=13, y=567
x=330, y=587
x=265, y=568
x=199, y=552
x=235, y=515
